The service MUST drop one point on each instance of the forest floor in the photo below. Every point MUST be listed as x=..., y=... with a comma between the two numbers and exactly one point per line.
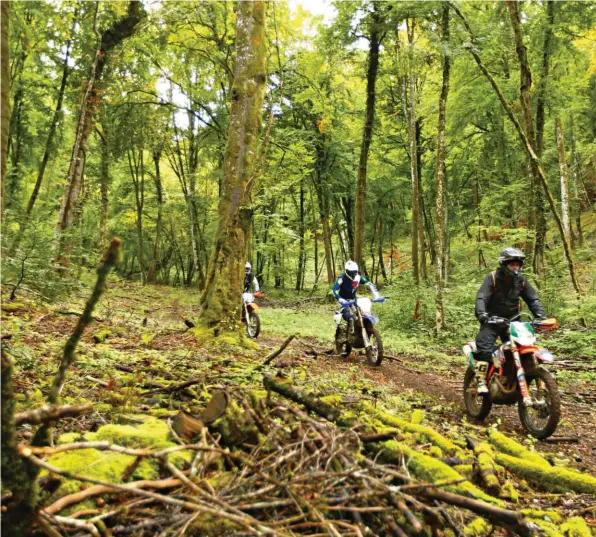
x=138, y=345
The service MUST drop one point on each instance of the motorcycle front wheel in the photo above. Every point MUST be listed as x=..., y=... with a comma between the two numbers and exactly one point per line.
x=541, y=419
x=253, y=325
x=374, y=353
x=477, y=406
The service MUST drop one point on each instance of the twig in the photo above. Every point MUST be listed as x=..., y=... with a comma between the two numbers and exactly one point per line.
x=51, y=413
x=110, y=259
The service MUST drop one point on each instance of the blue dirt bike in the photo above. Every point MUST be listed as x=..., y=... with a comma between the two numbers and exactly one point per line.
x=359, y=332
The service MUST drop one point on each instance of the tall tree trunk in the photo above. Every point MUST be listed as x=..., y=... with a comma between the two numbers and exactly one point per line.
x=538, y=197
x=220, y=302
x=411, y=115
x=440, y=179
x=110, y=38
x=563, y=169
x=137, y=173
x=49, y=143
x=575, y=170
x=371, y=79
x=104, y=186
x=152, y=270
x=5, y=93
x=301, y=231
x=423, y=218
x=526, y=105
x=527, y=146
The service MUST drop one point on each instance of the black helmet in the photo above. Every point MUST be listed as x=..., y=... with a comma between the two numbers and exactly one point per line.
x=507, y=256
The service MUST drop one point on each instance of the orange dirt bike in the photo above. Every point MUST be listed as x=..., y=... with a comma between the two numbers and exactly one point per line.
x=249, y=314
x=360, y=331
x=516, y=375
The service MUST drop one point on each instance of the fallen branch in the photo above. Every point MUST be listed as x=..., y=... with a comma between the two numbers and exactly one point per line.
x=51, y=413
x=276, y=353
x=97, y=490
x=110, y=260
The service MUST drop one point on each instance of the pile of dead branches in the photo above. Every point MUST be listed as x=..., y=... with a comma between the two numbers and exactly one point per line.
x=264, y=467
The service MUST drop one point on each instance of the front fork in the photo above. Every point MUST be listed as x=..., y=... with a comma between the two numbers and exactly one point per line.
x=521, y=379
x=364, y=334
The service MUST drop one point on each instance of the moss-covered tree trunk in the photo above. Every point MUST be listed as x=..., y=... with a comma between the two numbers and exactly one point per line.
x=5, y=97
x=221, y=299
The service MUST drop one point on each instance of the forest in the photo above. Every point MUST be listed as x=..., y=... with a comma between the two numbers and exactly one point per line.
x=159, y=158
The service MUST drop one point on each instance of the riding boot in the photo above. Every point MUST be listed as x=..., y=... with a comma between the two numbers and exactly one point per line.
x=482, y=389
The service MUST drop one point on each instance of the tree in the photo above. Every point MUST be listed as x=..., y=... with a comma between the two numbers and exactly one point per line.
x=109, y=39
x=49, y=143
x=528, y=147
x=439, y=234
x=5, y=96
x=563, y=174
x=375, y=39
x=220, y=301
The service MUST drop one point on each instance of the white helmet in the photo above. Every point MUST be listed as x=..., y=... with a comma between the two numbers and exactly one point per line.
x=351, y=269
x=247, y=267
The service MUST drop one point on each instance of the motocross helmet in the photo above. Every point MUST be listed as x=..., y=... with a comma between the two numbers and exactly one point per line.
x=351, y=269
x=247, y=267
x=507, y=256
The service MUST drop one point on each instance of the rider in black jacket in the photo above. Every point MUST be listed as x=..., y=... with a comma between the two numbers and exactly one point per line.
x=499, y=296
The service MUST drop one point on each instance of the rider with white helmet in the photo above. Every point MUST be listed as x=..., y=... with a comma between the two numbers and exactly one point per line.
x=346, y=285
x=250, y=278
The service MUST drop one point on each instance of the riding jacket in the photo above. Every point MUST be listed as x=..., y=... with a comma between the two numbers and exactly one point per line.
x=346, y=288
x=250, y=278
x=499, y=295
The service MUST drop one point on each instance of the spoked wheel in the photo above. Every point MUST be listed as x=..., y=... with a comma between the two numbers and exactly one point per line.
x=342, y=347
x=541, y=419
x=374, y=352
x=253, y=325
x=477, y=406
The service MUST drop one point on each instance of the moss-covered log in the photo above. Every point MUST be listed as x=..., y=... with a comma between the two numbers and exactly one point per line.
x=431, y=470
x=428, y=434
x=485, y=466
x=549, y=478
x=314, y=404
x=503, y=444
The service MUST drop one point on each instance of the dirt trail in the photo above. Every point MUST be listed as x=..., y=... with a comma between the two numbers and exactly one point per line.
x=444, y=390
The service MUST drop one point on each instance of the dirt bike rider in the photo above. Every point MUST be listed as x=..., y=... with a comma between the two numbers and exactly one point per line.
x=499, y=296
x=346, y=285
x=250, y=279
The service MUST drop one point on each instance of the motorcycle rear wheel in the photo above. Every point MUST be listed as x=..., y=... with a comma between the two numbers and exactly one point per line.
x=253, y=325
x=477, y=406
x=374, y=353
x=541, y=421
x=342, y=347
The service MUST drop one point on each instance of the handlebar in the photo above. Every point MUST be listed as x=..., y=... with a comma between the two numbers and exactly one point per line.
x=348, y=303
x=502, y=321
